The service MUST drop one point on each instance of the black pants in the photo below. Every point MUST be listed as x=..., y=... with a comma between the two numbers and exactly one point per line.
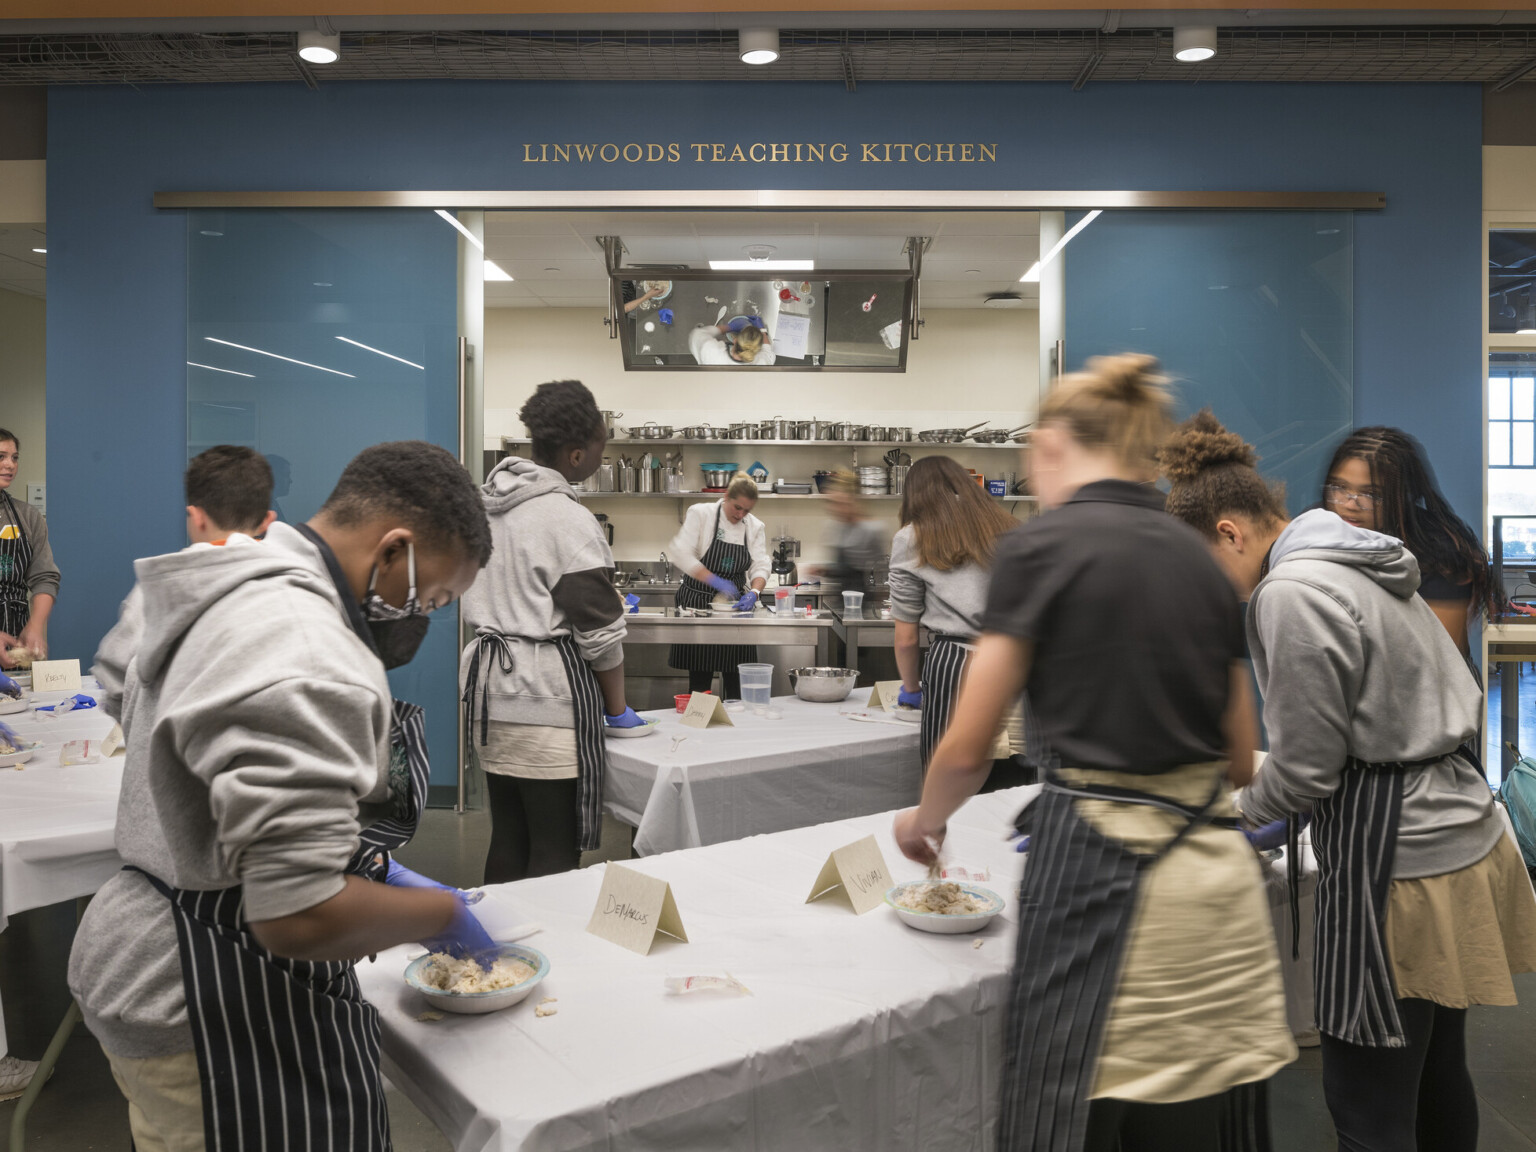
x=730, y=683
x=1401, y=1099
x=534, y=828
x=1203, y=1125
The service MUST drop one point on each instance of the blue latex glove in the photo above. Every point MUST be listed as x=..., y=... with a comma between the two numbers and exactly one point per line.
x=665, y=315
x=399, y=876
x=1271, y=835
x=9, y=687
x=747, y=602
x=910, y=699
x=625, y=719
x=70, y=704
x=8, y=735
x=464, y=935
x=721, y=585
x=632, y=603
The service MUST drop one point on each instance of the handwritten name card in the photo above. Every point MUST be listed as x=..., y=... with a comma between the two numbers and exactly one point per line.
x=885, y=695
x=859, y=870
x=706, y=710
x=632, y=908
x=56, y=676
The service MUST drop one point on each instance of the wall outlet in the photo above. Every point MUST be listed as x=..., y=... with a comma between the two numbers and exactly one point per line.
x=37, y=496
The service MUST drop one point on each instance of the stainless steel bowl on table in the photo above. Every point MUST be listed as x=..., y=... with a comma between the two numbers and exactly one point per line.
x=823, y=685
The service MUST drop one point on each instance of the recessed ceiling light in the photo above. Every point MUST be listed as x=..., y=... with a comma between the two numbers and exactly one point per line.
x=551, y=269
x=1194, y=43
x=323, y=284
x=758, y=45
x=209, y=232
x=319, y=47
x=44, y=251
x=762, y=265
x=1327, y=231
x=973, y=271
x=494, y=271
x=1216, y=287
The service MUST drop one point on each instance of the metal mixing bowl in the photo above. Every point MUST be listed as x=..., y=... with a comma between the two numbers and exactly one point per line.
x=823, y=685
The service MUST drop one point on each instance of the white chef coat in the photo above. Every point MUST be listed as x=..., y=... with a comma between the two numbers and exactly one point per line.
x=708, y=346
x=696, y=535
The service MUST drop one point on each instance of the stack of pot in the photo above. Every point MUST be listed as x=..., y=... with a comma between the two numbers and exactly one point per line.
x=874, y=480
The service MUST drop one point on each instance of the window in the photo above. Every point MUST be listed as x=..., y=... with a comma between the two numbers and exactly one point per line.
x=1511, y=420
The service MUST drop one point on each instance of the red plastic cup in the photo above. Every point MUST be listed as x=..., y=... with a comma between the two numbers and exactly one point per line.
x=681, y=701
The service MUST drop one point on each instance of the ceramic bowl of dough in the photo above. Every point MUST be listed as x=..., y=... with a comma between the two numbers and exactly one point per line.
x=18, y=757
x=947, y=923
x=631, y=733
x=478, y=1003
x=11, y=705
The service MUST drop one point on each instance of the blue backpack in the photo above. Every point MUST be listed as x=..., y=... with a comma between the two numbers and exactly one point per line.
x=1518, y=793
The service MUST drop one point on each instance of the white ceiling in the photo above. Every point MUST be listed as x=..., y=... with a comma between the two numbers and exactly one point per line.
x=21, y=269
x=555, y=260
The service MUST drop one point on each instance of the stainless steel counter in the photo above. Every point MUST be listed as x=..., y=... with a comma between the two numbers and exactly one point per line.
x=797, y=641
x=867, y=631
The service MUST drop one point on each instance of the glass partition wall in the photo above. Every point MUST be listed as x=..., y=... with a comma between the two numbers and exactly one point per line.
x=312, y=335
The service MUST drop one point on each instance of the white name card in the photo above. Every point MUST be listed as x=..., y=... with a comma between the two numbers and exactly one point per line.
x=857, y=869
x=886, y=695
x=706, y=710
x=632, y=908
x=56, y=676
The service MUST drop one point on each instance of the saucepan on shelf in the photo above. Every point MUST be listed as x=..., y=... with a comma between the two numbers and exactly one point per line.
x=947, y=435
x=998, y=436
x=649, y=432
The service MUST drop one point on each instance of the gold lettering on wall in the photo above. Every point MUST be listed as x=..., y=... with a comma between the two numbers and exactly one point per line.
x=762, y=152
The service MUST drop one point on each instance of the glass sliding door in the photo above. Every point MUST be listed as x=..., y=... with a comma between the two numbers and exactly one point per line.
x=1250, y=312
x=312, y=335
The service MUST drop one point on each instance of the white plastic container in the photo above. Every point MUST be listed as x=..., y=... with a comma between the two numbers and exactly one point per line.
x=853, y=603
x=756, y=683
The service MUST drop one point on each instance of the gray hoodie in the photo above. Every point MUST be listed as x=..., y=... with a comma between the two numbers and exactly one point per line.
x=549, y=576
x=1351, y=663
x=257, y=727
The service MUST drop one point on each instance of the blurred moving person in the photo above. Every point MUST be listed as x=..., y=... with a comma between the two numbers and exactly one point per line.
x=1147, y=1009
x=1423, y=904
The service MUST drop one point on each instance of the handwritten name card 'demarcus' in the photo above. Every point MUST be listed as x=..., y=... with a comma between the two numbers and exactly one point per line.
x=632, y=908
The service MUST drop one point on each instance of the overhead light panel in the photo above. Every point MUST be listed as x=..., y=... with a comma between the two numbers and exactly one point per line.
x=758, y=45
x=380, y=352
x=1033, y=275
x=319, y=47
x=1194, y=43
x=468, y=235
x=226, y=371
x=762, y=265
x=494, y=271
x=275, y=356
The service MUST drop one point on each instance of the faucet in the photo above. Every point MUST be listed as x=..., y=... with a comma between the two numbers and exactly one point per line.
x=666, y=569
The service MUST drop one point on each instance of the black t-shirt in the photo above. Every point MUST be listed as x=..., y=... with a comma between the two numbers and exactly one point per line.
x=1440, y=586
x=1134, y=629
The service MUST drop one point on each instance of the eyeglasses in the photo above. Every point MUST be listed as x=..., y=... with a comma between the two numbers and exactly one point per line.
x=1335, y=494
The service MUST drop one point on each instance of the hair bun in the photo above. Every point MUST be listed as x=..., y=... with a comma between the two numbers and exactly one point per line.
x=1127, y=376
x=1201, y=443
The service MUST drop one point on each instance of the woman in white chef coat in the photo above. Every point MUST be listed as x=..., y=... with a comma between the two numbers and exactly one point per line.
x=722, y=550
x=744, y=340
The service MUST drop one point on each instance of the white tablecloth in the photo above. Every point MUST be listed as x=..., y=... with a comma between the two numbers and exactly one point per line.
x=812, y=766
x=861, y=1033
x=57, y=824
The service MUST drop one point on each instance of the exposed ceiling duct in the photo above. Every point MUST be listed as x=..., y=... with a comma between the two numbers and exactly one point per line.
x=1432, y=53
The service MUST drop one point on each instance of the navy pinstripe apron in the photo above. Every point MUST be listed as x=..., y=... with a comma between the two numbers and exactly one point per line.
x=943, y=669
x=586, y=704
x=733, y=561
x=1076, y=906
x=15, y=559
x=288, y=1050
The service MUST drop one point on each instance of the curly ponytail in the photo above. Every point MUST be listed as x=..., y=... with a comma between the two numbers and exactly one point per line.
x=1213, y=476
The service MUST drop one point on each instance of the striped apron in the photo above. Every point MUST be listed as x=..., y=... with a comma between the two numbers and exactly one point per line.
x=733, y=561
x=15, y=559
x=943, y=669
x=586, y=704
x=1076, y=906
x=288, y=1050
x=1354, y=835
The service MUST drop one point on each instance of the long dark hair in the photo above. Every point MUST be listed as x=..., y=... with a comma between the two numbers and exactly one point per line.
x=1411, y=508
x=954, y=522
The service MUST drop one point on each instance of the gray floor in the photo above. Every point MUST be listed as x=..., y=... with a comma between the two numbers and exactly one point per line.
x=81, y=1108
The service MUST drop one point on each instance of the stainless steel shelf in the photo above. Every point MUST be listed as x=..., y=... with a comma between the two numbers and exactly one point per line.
x=904, y=445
